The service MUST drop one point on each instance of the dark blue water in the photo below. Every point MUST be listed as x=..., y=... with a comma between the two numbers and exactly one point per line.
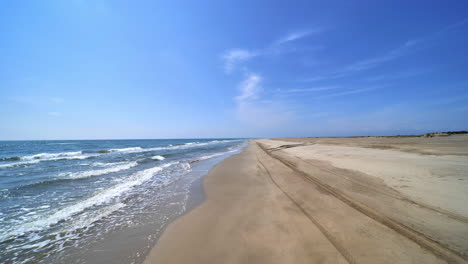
x=54, y=195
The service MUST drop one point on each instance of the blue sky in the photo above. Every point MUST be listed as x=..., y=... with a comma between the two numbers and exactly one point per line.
x=86, y=69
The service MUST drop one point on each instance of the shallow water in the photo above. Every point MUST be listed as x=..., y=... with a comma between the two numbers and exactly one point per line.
x=83, y=201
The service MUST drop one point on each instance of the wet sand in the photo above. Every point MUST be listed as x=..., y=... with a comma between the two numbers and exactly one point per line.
x=341, y=200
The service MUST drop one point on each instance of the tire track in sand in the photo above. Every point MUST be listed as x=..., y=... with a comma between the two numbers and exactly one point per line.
x=322, y=229
x=432, y=246
x=400, y=197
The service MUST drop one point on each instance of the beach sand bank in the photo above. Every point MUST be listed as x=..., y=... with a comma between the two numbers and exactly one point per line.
x=352, y=200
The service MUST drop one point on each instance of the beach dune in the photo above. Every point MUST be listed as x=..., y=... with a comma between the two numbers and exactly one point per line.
x=348, y=200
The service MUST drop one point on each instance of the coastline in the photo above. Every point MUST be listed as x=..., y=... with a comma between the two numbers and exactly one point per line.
x=261, y=207
x=99, y=201
x=189, y=194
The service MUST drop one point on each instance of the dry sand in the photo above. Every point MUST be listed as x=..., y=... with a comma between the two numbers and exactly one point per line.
x=342, y=200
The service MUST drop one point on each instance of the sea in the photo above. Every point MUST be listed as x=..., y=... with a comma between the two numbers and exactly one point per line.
x=98, y=201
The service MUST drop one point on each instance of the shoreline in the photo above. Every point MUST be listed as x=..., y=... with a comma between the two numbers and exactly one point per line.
x=147, y=210
x=260, y=210
x=196, y=193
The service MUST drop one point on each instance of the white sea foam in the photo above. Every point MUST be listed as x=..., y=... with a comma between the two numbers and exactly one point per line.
x=16, y=164
x=188, y=145
x=86, y=220
x=36, y=158
x=108, y=164
x=171, y=147
x=29, y=161
x=86, y=174
x=185, y=166
x=214, y=155
x=158, y=157
x=52, y=155
x=78, y=157
x=102, y=197
x=132, y=149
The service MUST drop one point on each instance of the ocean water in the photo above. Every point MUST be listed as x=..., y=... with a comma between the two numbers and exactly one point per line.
x=70, y=201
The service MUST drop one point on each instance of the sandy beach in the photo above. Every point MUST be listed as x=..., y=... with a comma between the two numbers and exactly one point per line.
x=329, y=200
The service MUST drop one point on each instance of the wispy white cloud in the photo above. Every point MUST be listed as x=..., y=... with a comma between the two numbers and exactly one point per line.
x=337, y=91
x=234, y=57
x=398, y=75
x=376, y=61
x=297, y=35
x=255, y=111
x=251, y=105
x=304, y=90
x=366, y=64
x=292, y=37
x=250, y=88
x=396, y=53
x=348, y=92
x=449, y=28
